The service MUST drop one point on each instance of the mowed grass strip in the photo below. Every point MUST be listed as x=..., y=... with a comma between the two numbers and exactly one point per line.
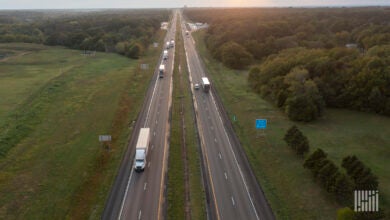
x=176, y=178
x=43, y=175
x=29, y=67
x=290, y=188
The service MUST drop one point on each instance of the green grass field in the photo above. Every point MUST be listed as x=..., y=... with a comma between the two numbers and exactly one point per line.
x=290, y=188
x=56, y=102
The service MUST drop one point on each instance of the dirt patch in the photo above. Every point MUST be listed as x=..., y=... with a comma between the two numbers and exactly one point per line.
x=18, y=54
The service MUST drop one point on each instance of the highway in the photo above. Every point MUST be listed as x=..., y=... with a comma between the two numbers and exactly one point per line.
x=141, y=195
x=235, y=193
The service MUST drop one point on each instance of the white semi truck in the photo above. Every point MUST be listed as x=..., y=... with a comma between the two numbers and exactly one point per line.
x=141, y=149
x=205, y=84
x=165, y=55
x=161, y=71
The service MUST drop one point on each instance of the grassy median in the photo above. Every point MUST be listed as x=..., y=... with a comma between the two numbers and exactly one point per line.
x=178, y=208
x=290, y=188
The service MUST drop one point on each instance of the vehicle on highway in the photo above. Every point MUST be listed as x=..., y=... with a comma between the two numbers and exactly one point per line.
x=205, y=84
x=168, y=45
x=161, y=71
x=187, y=33
x=172, y=43
x=141, y=149
x=196, y=86
x=165, y=55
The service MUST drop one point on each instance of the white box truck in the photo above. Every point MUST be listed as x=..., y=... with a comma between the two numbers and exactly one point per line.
x=161, y=71
x=205, y=84
x=141, y=149
x=165, y=55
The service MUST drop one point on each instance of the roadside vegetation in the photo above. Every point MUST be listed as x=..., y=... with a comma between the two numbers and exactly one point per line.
x=306, y=59
x=55, y=102
x=127, y=32
x=289, y=187
x=186, y=196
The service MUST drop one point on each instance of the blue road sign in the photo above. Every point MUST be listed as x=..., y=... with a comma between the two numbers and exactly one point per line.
x=261, y=123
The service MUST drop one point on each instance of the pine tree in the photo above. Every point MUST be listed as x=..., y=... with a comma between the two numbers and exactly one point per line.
x=290, y=135
x=296, y=140
x=314, y=158
x=361, y=175
x=327, y=175
x=343, y=189
x=303, y=145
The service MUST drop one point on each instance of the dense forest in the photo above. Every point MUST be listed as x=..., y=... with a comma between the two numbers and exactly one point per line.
x=305, y=59
x=127, y=32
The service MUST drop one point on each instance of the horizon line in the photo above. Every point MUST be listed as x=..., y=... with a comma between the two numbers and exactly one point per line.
x=285, y=6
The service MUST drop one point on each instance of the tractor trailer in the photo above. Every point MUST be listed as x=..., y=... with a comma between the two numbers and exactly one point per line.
x=205, y=84
x=141, y=149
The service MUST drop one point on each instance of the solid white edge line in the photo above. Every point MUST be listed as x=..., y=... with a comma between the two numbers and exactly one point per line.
x=124, y=197
x=231, y=148
x=131, y=173
x=235, y=159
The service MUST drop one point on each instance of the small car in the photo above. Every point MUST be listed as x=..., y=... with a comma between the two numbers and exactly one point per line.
x=196, y=86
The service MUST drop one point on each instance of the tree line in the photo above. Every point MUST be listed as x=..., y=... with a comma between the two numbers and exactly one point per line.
x=303, y=81
x=339, y=183
x=305, y=59
x=127, y=32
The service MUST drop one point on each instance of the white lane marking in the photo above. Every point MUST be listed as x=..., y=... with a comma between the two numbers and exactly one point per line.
x=215, y=139
x=158, y=113
x=154, y=133
x=131, y=173
x=124, y=197
x=233, y=201
x=235, y=159
x=220, y=155
x=246, y=187
x=166, y=145
x=225, y=175
x=195, y=106
x=139, y=214
x=152, y=146
x=145, y=186
x=156, y=121
x=151, y=101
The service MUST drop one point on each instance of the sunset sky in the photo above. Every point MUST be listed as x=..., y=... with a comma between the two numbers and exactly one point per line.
x=48, y=4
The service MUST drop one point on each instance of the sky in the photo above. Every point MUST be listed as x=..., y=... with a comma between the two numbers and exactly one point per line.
x=76, y=4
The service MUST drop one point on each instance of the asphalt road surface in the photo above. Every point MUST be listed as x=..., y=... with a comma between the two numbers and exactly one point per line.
x=235, y=193
x=141, y=195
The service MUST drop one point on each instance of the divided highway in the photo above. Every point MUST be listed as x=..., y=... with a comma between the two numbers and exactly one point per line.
x=235, y=193
x=141, y=195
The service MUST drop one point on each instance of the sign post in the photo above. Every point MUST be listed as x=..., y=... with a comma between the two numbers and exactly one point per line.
x=144, y=66
x=261, y=124
x=105, y=139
